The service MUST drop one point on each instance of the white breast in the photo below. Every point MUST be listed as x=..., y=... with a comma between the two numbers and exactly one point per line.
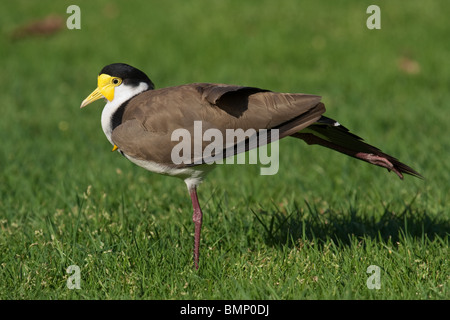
x=122, y=94
x=192, y=175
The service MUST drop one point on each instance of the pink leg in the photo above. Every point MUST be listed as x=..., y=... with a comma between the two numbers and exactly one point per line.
x=197, y=218
x=379, y=161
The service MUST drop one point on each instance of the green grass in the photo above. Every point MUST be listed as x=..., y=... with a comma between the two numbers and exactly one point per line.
x=309, y=232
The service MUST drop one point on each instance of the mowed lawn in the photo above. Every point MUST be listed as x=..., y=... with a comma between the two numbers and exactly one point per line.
x=311, y=231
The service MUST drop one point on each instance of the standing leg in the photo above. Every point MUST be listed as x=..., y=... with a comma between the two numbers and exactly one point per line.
x=197, y=218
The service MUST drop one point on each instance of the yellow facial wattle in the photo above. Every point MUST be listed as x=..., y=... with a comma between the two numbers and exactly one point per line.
x=105, y=89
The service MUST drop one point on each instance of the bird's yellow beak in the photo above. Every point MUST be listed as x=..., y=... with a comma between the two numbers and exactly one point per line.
x=105, y=89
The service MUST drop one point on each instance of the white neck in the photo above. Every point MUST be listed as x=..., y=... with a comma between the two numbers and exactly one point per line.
x=122, y=93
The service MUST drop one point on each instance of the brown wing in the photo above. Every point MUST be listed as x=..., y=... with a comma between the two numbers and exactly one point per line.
x=150, y=118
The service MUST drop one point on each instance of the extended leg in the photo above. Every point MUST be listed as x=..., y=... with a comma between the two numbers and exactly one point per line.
x=197, y=218
x=369, y=154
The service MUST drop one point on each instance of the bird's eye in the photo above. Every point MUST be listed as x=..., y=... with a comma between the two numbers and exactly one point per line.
x=116, y=81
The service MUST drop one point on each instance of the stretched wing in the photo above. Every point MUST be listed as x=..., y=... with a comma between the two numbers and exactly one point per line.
x=331, y=134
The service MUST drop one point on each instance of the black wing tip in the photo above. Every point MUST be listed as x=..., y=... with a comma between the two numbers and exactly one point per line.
x=413, y=173
x=399, y=168
x=394, y=165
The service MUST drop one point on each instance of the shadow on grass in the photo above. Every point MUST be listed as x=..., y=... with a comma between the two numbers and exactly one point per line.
x=286, y=228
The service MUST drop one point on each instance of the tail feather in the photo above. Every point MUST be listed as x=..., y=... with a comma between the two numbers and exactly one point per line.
x=329, y=133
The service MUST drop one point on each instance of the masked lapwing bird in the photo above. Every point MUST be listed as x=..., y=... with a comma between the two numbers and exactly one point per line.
x=140, y=122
